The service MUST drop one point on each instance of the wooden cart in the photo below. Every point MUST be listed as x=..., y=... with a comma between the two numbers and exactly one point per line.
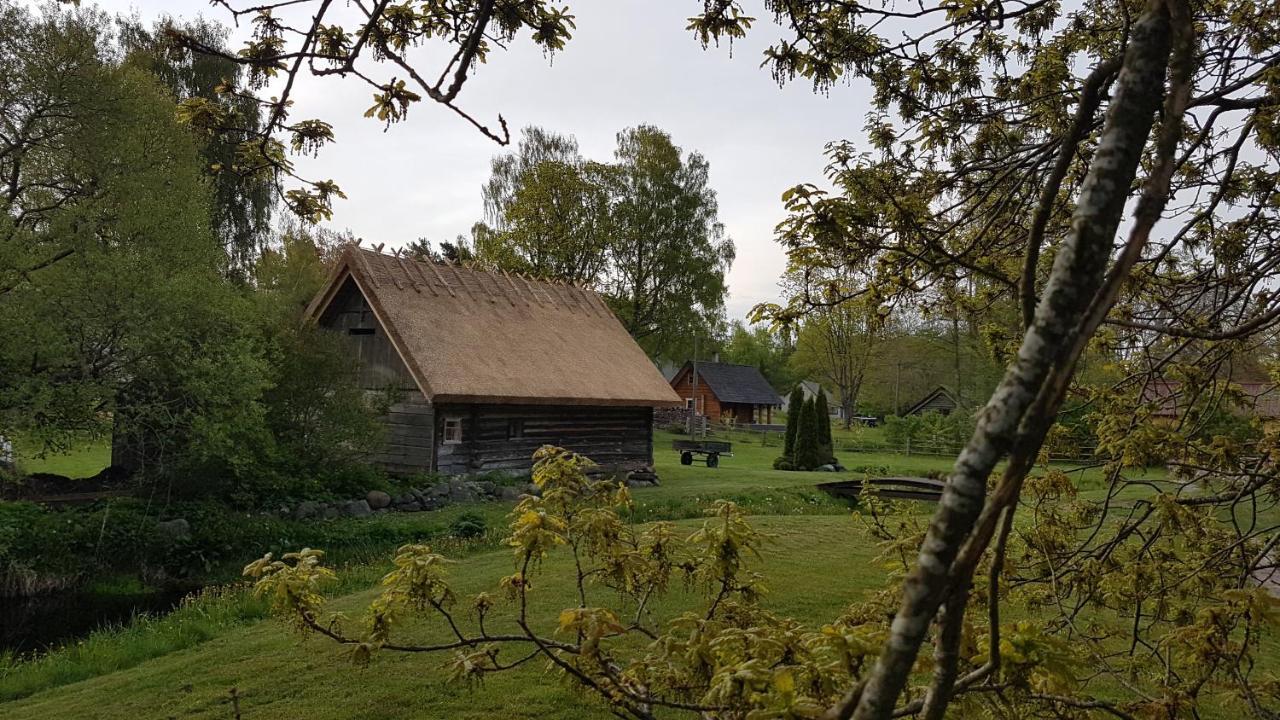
x=711, y=450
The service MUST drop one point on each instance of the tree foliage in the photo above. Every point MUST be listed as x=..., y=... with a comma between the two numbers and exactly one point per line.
x=242, y=200
x=121, y=319
x=762, y=348
x=834, y=345
x=546, y=211
x=375, y=45
x=642, y=229
x=109, y=275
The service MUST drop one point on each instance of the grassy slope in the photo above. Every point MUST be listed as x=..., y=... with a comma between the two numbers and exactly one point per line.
x=80, y=461
x=278, y=674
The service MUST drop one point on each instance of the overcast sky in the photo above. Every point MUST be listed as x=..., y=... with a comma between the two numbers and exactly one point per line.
x=630, y=62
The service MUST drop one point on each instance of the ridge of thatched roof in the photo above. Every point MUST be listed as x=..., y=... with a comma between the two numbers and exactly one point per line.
x=478, y=336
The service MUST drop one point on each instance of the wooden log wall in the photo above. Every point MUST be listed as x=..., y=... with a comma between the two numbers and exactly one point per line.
x=504, y=437
x=410, y=441
x=708, y=403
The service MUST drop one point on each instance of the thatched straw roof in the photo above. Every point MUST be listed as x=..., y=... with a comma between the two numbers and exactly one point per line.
x=472, y=336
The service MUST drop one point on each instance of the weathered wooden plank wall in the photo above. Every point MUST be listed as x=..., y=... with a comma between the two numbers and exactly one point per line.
x=504, y=437
x=380, y=364
x=410, y=439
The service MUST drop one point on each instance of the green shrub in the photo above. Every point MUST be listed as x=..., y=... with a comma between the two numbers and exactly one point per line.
x=873, y=470
x=469, y=524
x=783, y=463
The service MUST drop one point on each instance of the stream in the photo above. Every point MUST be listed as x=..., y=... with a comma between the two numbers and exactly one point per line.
x=38, y=623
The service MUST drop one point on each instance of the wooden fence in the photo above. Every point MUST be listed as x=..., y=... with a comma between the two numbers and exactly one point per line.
x=772, y=436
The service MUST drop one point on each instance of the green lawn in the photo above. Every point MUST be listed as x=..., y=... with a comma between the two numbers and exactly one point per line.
x=81, y=460
x=280, y=674
x=820, y=561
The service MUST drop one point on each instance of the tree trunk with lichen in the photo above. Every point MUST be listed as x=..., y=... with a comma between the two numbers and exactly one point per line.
x=1075, y=278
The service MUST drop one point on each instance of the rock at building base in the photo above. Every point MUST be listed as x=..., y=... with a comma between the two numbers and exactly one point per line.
x=177, y=529
x=357, y=508
x=377, y=499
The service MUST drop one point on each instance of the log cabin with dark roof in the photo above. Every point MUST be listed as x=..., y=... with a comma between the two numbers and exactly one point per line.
x=487, y=367
x=725, y=391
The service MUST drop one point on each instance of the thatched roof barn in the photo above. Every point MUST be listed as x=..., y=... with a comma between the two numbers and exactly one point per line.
x=490, y=366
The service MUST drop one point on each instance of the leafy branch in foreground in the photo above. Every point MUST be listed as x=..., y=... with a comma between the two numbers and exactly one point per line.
x=726, y=656
x=372, y=41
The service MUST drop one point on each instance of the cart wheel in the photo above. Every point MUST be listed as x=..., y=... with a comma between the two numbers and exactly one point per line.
x=713, y=460
x=686, y=458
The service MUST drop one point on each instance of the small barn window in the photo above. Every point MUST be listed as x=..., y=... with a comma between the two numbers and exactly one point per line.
x=360, y=331
x=452, y=431
x=515, y=429
x=688, y=403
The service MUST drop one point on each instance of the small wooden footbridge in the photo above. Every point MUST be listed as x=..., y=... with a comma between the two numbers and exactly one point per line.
x=894, y=488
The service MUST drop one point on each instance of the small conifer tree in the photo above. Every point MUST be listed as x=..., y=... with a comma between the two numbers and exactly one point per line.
x=794, y=406
x=808, y=450
x=825, y=441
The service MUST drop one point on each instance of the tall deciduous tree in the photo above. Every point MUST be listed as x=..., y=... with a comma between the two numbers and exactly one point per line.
x=546, y=211
x=644, y=229
x=669, y=254
x=110, y=277
x=834, y=345
x=242, y=200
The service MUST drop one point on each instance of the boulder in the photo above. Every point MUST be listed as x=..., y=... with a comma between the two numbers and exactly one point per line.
x=357, y=508
x=329, y=512
x=307, y=509
x=405, y=498
x=533, y=489
x=440, y=489
x=463, y=491
x=640, y=478
x=377, y=499
x=176, y=529
x=826, y=468
x=510, y=492
x=411, y=506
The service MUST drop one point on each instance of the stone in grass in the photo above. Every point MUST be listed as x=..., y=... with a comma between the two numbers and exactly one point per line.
x=357, y=508
x=177, y=529
x=462, y=491
x=377, y=499
x=307, y=509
